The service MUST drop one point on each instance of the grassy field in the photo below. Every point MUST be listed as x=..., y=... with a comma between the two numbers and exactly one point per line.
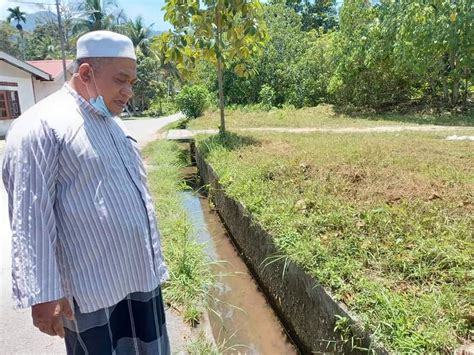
x=190, y=273
x=385, y=221
x=322, y=116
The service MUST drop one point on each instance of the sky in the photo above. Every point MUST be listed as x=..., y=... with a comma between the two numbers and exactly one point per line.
x=150, y=10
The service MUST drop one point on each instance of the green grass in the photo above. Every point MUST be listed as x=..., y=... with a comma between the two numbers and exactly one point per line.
x=385, y=221
x=200, y=346
x=323, y=116
x=190, y=272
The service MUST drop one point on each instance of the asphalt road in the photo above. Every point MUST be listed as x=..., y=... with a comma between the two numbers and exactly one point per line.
x=17, y=334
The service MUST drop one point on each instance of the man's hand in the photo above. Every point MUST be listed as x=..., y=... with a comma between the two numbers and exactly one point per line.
x=47, y=316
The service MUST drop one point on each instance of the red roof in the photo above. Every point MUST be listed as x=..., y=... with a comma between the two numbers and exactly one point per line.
x=53, y=67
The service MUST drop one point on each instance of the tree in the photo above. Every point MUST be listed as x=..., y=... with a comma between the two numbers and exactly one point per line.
x=192, y=100
x=440, y=51
x=69, y=21
x=95, y=15
x=365, y=71
x=148, y=84
x=8, y=43
x=16, y=15
x=139, y=34
x=19, y=16
x=315, y=14
x=220, y=31
x=160, y=46
x=44, y=43
x=287, y=43
x=276, y=64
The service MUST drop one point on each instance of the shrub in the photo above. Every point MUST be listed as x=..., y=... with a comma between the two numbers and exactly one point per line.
x=267, y=96
x=193, y=100
x=164, y=107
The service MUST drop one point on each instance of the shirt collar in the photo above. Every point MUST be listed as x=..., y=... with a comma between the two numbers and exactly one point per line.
x=83, y=103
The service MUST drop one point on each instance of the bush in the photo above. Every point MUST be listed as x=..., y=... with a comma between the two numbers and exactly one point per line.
x=164, y=108
x=193, y=100
x=267, y=96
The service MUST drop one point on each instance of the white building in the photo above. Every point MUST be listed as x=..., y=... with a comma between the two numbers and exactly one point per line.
x=22, y=84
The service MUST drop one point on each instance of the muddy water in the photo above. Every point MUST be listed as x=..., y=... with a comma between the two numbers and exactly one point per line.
x=245, y=323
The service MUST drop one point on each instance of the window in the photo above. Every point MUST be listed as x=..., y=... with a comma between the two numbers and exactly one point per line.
x=9, y=105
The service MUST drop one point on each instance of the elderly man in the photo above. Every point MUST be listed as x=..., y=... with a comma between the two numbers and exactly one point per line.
x=86, y=248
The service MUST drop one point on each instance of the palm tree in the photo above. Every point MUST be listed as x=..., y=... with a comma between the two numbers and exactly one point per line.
x=17, y=15
x=94, y=16
x=160, y=46
x=48, y=49
x=139, y=34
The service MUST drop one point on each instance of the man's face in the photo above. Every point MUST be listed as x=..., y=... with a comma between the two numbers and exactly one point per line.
x=114, y=81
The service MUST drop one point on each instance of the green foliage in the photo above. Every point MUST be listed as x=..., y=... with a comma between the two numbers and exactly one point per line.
x=149, y=85
x=267, y=96
x=366, y=74
x=201, y=345
x=96, y=15
x=287, y=43
x=159, y=47
x=218, y=31
x=193, y=100
x=15, y=14
x=435, y=44
x=44, y=43
x=161, y=107
x=401, y=50
x=139, y=33
x=379, y=55
x=275, y=65
x=317, y=14
x=313, y=72
x=8, y=39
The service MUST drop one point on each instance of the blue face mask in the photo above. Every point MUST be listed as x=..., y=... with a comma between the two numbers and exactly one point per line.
x=98, y=102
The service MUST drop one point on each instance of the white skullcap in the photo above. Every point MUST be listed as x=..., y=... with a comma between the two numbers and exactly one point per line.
x=105, y=44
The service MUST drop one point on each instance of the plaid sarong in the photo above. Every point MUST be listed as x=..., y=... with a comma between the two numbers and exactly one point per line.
x=135, y=325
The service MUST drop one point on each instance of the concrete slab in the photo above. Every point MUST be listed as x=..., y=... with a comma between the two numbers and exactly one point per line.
x=180, y=135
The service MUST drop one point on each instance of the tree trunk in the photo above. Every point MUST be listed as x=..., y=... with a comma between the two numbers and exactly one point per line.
x=455, y=93
x=220, y=80
x=445, y=90
x=220, y=69
x=466, y=90
x=22, y=45
x=455, y=78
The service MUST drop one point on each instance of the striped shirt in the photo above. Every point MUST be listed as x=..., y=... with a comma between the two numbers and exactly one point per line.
x=82, y=218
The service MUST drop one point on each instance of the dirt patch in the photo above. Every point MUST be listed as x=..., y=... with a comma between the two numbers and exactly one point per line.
x=387, y=185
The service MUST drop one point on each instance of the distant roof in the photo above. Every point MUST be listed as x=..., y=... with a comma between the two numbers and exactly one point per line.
x=52, y=67
x=38, y=73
